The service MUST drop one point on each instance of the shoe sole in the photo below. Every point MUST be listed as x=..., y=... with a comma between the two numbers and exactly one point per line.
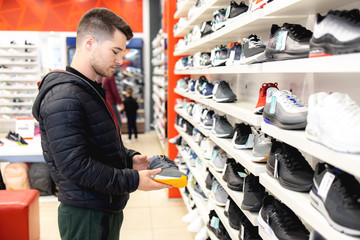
x=175, y=182
x=275, y=55
x=287, y=185
x=258, y=58
x=251, y=208
x=266, y=228
x=271, y=119
x=319, y=205
x=224, y=99
x=261, y=159
x=320, y=49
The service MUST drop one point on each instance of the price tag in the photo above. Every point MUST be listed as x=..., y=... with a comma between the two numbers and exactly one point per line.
x=227, y=14
x=325, y=184
x=215, y=222
x=242, y=174
x=214, y=155
x=215, y=87
x=227, y=205
x=203, y=27
x=276, y=170
x=281, y=40
x=272, y=105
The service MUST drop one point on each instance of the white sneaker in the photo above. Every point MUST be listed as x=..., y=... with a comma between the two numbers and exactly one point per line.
x=188, y=218
x=334, y=120
x=202, y=234
x=195, y=225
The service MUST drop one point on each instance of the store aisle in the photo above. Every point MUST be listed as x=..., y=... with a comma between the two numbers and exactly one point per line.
x=148, y=215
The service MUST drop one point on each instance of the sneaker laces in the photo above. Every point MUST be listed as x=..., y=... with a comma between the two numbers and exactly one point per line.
x=351, y=194
x=352, y=16
x=254, y=41
x=350, y=108
x=294, y=159
x=298, y=31
x=288, y=220
x=254, y=186
x=290, y=100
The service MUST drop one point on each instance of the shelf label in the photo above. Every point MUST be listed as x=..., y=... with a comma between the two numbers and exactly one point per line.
x=25, y=127
x=325, y=184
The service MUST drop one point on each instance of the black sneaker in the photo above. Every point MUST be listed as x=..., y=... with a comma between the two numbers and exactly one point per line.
x=16, y=138
x=247, y=230
x=199, y=192
x=220, y=55
x=279, y=221
x=234, y=175
x=336, y=195
x=209, y=181
x=221, y=127
x=215, y=225
x=254, y=50
x=223, y=93
x=235, y=9
x=329, y=40
x=288, y=42
x=207, y=121
x=234, y=214
x=170, y=173
x=254, y=193
x=243, y=136
x=290, y=168
x=218, y=19
x=206, y=28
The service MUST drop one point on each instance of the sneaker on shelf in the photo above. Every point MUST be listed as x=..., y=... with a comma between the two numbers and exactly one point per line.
x=234, y=175
x=223, y=93
x=219, y=194
x=221, y=127
x=280, y=222
x=215, y=225
x=188, y=218
x=256, y=5
x=219, y=55
x=196, y=225
x=234, y=214
x=199, y=192
x=205, y=59
x=262, y=96
x=338, y=32
x=207, y=148
x=290, y=41
x=207, y=119
x=336, y=196
x=175, y=140
x=206, y=28
x=337, y=130
x=15, y=137
x=284, y=110
x=254, y=193
x=197, y=111
x=235, y=54
x=218, y=19
x=247, y=230
x=1, y=143
x=200, y=84
x=206, y=90
x=289, y=167
x=235, y=10
x=262, y=147
x=243, y=136
x=209, y=180
x=191, y=85
x=202, y=234
x=253, y=50
x=218, y=159
x=170, y=173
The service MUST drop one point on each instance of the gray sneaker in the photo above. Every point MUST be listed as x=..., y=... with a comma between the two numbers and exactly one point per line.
x=262, y=147
x=170, y=173
x=221, y=127
x=223, y=93
x=219, y=194
x=218, y=159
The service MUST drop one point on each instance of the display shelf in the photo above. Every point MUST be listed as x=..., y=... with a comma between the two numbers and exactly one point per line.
x=244, y=157
x=211, y=234
x=297, y=139
x=185, y=199
x=183, y=8
x=18, y=96
x=236, y=196
x=299, y=203
x=329, y=64
x=183, y=114
x=240, y=110
x=12, y=152
x=201, y=205
x=21, y=104
x=196, y=148
x=234, y=234
x=263, y=234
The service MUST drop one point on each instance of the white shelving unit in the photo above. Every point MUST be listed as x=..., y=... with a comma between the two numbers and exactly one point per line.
x=159, y=87
x=19, y=73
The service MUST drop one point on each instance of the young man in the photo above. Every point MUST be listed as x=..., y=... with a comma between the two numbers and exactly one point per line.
x=80, y=136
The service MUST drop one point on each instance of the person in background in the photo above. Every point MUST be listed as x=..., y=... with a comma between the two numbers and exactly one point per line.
x=112, y=95
x=131, y=107
x=80, y=136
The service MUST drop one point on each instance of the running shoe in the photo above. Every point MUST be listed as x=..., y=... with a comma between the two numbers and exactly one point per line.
x=12, y=136
x=262, y=97
x=223, y=93
x=235, y=10
x=338, y=32
x=253, y=50
x=170, y=173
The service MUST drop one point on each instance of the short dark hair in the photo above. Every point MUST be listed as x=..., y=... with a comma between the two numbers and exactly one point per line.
x=101, y=24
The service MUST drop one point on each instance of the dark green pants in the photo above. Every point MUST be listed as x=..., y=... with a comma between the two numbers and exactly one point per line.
x=82, y=223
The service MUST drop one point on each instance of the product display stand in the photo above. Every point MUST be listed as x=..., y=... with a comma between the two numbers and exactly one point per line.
x=159, y=86
x=303, y=76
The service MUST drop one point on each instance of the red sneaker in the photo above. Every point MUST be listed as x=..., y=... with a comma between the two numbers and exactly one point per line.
x=262, y=97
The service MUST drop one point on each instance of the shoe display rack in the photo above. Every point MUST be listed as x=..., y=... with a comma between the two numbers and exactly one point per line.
x=159, y=86
x=19, y=73
x=304, y=76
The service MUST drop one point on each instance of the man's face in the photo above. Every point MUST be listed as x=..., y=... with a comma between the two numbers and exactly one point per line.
x=107, y=55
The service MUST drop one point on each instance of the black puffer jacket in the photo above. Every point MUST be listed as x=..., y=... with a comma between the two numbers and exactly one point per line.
x=81, y=145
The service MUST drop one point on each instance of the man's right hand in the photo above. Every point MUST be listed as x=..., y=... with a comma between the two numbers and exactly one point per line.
x=146, y=183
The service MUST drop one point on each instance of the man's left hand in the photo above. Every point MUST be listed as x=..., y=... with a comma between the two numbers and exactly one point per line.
x=140, y=162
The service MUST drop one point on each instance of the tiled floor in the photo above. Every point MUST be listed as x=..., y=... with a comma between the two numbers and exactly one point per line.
x=148, y=215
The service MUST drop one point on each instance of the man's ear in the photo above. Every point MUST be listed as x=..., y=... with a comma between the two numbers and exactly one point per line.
x=89, y=42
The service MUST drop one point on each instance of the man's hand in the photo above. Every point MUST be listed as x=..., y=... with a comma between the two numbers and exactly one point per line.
x=140, y=162
x=146, y=183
